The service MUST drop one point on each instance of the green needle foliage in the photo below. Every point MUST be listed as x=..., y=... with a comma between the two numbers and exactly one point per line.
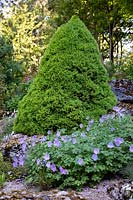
x=71, y=84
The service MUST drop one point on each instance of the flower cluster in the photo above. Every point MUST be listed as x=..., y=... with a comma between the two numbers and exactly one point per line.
x=87, y=152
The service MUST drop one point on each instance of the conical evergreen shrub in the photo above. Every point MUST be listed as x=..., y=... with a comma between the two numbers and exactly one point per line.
x=71, y=84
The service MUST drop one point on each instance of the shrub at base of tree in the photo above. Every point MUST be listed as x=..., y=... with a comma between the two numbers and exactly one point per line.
x=71, y=84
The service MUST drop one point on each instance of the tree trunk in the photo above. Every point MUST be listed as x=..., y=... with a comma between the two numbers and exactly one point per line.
x=111, y=55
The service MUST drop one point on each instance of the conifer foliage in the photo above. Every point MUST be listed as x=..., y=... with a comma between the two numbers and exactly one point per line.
x=71, y=84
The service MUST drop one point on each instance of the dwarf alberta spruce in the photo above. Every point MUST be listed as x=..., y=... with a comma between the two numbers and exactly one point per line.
x=71, y=83
x=84, y=157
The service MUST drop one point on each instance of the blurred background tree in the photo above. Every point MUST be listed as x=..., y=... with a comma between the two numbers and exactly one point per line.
x=11, y=72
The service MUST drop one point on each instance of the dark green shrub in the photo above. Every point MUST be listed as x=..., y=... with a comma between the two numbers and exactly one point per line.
x=84, y=157
x=15, y=94
x=71, y=84
x=12, y=103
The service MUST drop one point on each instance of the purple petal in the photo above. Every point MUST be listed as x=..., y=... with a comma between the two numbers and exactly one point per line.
x=38, y=161
x=48, y=164
x=80, y=161
x=81, y=125
x=94, y=157
x=43, y=139
x=103, y=118
x=33, y=137
x=49, y=132
x=64, y=139
x=21, y=161
x=15, y=164
x=15, y=159
x=88, y=128
x=96, y=151
x=53, y=167
x=58, y=134
x=74, y=141
x=57, y=143
x=62, y=171
x=131, y=149
x=83, y=135
x=24, y=146
x=22, y=140
x=33, y=144
x=118, y=141
x=46, y=156
x=110, y=145
x=49, y=144
x=91, y=121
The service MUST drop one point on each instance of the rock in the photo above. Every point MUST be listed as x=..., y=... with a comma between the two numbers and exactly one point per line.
x=62, y=193
x=122, y=191
x=67, y=198
x=12, y=145
x=123, y=90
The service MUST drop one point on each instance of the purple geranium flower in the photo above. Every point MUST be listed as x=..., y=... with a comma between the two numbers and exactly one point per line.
x=83, y=135
x=63, y=138
x=49, y=132
x=57, y=143
x=63, y=171
x=15, y=162
x=22, y=140
x=48, y=164
x=34, y=137
x=33, y=144
x=46, y=156
x=94, y=157
x=81, y=125
x=38, y=161
x=74, y=141
x=49, y=144
x=80, y=161
x=103, y=118
x=131, y=149
x=21, y=161
x=53, y=167
x=58, y=133
x=91, y=121
x=88, y=128
x=110, y=145
x=43, y=139
x=24, y=146
x=118, y=141
x=96, y=151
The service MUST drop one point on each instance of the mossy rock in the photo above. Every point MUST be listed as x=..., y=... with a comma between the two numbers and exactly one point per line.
x=71, y=84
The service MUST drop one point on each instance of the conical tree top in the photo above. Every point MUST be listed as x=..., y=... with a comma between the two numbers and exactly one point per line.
x=71, y=83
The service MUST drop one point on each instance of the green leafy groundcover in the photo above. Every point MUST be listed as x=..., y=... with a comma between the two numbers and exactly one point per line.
x=84, y=157
x=71, y=84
